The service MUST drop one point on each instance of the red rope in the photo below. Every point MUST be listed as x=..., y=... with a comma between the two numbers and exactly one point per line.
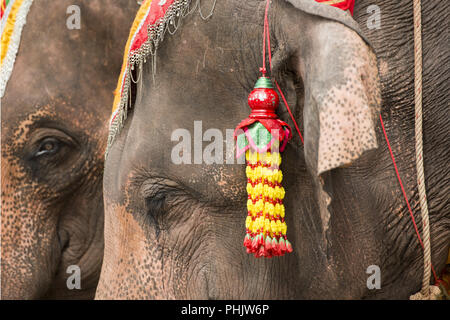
x=404, y=194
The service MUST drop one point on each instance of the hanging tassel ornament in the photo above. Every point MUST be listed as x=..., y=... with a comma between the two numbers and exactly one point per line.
x=262, y=136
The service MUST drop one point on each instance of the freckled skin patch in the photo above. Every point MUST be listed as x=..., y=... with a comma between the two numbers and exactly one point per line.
x=342, y=100
x=61, y=87
x=137, y=262
x=348, y=111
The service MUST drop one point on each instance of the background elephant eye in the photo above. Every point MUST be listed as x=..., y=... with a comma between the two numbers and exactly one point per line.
x=48, y=146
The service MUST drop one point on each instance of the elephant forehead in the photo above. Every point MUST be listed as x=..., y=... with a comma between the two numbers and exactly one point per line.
x=187, y=143
x=59, y=64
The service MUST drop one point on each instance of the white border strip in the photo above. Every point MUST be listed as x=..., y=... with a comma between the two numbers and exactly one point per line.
x=8, y=62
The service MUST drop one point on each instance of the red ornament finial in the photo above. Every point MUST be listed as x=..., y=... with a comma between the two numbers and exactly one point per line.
x=263, y=100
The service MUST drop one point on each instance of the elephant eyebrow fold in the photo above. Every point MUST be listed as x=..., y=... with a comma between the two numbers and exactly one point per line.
x=154, y=192
x=159, y=195
x=154, y=187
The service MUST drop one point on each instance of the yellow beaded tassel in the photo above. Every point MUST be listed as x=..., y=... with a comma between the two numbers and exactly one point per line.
x=265, y=225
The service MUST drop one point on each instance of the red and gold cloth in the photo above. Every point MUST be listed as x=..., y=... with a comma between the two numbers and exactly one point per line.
x=137, y=35
x=153, y=19
x=341, y=4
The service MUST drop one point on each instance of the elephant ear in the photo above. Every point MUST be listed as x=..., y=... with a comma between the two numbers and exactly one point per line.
x=342, y=97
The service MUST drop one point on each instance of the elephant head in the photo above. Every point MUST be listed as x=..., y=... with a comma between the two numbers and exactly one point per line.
x=176, y=230
x=53, y=137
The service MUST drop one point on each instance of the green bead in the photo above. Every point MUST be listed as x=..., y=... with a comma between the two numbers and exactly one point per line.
x=264, y=83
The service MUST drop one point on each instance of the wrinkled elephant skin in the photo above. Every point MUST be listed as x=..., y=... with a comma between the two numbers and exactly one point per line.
x=54, y=115
x=176, y=231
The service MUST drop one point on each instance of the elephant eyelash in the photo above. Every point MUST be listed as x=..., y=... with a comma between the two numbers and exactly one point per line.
x=158, y=194
x=156, y=205
x=156, y=209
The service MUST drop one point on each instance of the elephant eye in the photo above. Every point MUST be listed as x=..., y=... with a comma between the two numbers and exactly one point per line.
x=48, y=146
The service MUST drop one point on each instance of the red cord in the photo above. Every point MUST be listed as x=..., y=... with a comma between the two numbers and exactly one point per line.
x=263, y=69
x=289, y=110
x=404, y=194
x=267, y=34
